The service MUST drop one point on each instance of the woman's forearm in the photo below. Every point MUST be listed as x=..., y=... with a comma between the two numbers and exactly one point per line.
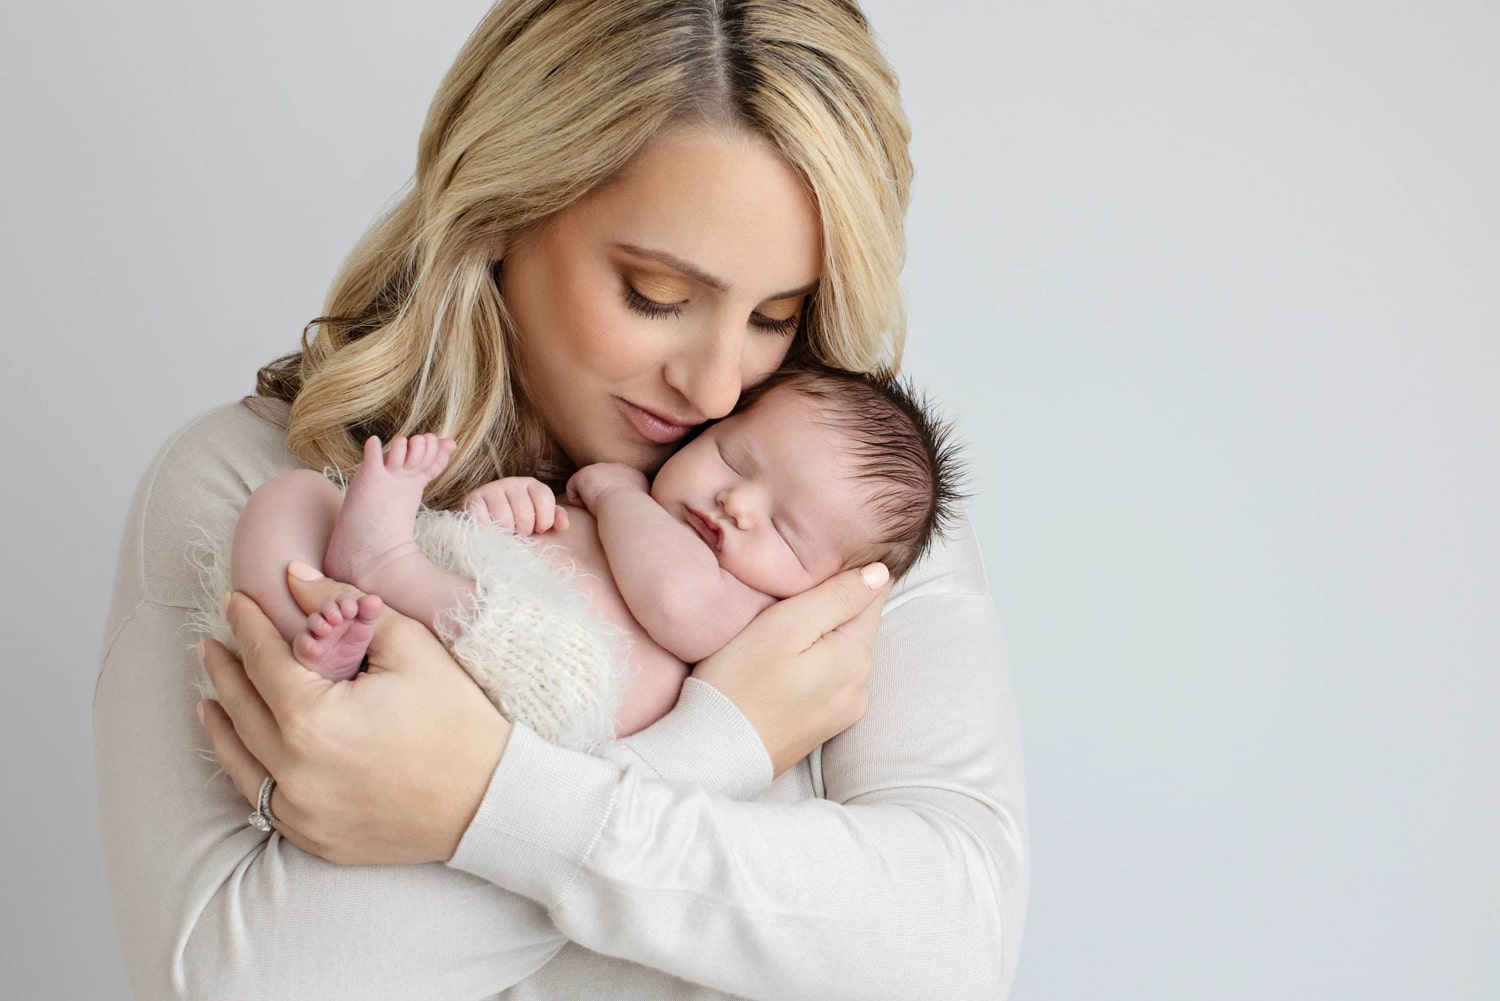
x=210, y=908
x=910, y=880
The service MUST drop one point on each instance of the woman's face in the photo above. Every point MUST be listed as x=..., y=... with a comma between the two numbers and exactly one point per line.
x=644, y=308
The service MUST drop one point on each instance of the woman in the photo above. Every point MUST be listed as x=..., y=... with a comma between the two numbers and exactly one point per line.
x=624, y=214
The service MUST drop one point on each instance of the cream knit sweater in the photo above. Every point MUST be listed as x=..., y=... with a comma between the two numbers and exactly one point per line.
x=891, y=863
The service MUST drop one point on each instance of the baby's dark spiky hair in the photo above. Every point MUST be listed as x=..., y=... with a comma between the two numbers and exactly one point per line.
x=901, y=448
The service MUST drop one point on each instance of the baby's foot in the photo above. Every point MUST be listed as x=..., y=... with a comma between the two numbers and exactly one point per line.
x=335, y=639
x=374, y=529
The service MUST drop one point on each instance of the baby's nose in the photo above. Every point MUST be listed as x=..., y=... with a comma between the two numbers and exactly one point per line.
x=735, y=506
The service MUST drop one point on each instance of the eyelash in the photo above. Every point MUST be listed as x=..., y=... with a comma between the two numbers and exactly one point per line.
x=657, y=311
x=648, y=307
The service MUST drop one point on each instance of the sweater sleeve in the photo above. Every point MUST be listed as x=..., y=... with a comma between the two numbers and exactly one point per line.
x=908, y=878
x=209, y=908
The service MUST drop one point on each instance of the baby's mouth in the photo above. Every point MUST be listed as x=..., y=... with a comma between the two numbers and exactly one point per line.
x=706, y=529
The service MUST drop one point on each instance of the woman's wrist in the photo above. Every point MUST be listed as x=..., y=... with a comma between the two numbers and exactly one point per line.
x=705, y=740
x=527, y=838
x=489, y=750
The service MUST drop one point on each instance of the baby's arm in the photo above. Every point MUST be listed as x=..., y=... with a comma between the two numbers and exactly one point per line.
x=667, y=575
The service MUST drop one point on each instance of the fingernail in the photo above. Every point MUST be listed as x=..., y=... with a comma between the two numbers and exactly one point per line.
x=302, y=571
x=201, y=720
x=875, y=575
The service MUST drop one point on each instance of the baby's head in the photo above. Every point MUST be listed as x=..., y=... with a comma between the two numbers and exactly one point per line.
x=816, y=471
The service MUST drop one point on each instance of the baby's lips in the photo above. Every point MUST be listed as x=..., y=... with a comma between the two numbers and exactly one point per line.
x=710, y=533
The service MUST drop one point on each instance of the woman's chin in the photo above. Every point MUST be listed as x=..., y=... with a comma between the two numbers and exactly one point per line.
x=626, y=449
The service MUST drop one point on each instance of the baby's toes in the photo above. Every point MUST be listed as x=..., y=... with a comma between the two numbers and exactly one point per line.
x=306, y=648
x=369, y=607
x=317, y=625
x=332, y=613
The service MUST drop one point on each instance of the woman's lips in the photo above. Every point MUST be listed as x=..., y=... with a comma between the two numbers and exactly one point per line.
x=705, y=528
x=652, y=426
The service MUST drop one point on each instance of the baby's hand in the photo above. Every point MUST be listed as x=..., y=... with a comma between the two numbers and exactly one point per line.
x=520, y=503
x=592, y=482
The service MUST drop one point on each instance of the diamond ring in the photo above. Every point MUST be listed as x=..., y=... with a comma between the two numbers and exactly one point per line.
x=262, y=819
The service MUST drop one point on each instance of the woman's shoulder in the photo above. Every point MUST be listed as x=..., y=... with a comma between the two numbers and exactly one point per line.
x=952, y=566
x=196, y=484
x=226, y=452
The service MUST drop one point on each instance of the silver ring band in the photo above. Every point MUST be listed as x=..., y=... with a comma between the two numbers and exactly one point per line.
x=262, y=819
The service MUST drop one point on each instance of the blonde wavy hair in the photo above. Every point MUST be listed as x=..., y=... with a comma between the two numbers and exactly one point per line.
x=547, y=100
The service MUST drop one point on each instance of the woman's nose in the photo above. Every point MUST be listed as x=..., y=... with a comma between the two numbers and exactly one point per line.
x=708, y=373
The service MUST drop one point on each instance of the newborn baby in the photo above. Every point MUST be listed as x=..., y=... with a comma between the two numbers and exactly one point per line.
x=817, y=471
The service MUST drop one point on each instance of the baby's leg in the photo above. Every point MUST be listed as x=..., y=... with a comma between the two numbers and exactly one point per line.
x=372, y=544
x=291, y=517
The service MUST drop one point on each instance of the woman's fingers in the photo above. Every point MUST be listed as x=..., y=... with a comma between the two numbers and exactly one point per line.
x=838, y=601
x=268, y=663
x=310, y=589
x=398, y=640
x=862, y=625
x=238, y=763
x=238, y=697
x=247, y=774
x=798, y=670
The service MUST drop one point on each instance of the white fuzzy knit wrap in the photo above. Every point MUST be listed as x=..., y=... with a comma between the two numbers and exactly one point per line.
x=531, y=642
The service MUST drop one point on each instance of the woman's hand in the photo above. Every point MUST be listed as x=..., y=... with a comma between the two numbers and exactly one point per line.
x=386, y=768
x=798, y=670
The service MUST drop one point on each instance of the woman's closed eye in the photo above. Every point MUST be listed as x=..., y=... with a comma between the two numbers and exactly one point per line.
x=649, y=307
x=779, y=320
x=784, y=327
x=656, y=309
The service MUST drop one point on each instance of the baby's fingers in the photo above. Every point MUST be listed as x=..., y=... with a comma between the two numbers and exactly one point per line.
x=522, y=515
x=543, y=504
x=490, y=506
x=477, y=509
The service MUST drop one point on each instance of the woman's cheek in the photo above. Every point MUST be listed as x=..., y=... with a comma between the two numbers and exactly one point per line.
x=766, y=358
x=609, y=342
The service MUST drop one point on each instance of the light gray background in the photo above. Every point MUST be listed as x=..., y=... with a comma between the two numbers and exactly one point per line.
x=1213, y=287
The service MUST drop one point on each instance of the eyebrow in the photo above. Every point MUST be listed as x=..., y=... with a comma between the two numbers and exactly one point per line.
x=698, y=274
